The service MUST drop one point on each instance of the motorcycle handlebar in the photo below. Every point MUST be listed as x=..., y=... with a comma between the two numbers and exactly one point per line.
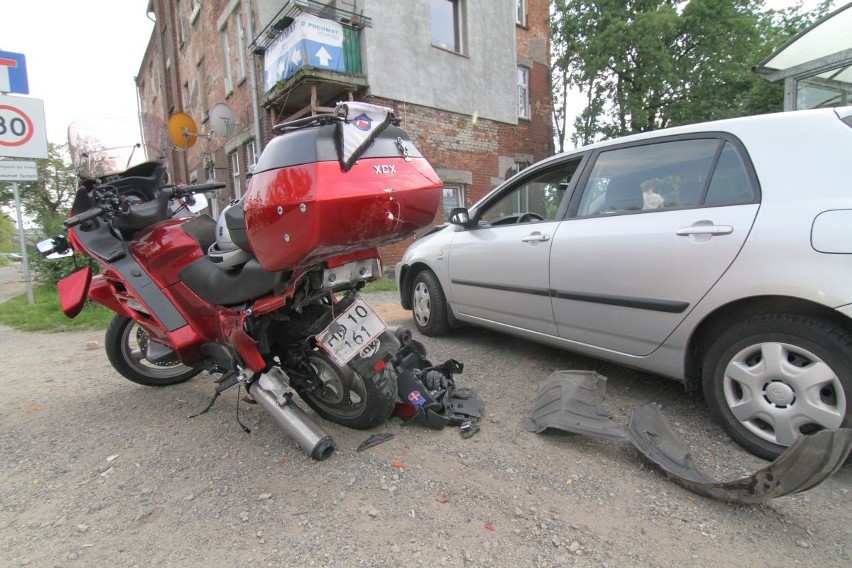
x=186, y=191
x=96, y=211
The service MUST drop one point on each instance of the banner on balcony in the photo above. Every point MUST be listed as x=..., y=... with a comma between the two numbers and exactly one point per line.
x=309, y=41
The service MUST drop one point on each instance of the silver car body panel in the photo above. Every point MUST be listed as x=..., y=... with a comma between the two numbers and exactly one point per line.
x=800, y=160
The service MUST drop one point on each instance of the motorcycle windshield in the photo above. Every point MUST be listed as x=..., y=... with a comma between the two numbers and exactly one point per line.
x=102, y=146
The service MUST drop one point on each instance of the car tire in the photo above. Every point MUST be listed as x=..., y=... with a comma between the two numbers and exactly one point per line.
x=429, y=305
x=771, y=378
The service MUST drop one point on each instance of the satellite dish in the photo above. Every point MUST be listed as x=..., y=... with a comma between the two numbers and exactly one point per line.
x=222, y=119
x=183, y=131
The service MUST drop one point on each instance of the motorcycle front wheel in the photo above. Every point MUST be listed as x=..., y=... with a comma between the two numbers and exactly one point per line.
x=126, y=346
x=348, y=399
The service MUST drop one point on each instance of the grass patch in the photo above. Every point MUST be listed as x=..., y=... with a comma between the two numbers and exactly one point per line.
x=46, y=315
x=381, y=285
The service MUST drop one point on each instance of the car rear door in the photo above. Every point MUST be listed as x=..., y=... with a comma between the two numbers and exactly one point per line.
x=627, y=267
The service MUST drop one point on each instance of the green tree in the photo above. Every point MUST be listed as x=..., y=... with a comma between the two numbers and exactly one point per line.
x=642, y=65
x=46, y=202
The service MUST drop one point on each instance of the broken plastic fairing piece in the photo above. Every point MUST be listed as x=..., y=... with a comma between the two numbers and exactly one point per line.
x=809, y=461
x=573, y=401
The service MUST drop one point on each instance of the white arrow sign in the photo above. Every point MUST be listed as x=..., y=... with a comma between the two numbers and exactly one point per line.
x=324, y=56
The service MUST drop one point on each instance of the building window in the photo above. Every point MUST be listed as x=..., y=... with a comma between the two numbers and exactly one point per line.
x=251, y=156
x=241, y=56
x=521, y=12
x=523, y=92
x=453, y=197
x=179, y=10
x=196, y=9
x=235, y=174
x=226, y=49
x=448, y=19
x=201, y=85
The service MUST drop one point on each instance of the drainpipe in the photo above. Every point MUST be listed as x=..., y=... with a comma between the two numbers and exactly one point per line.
x=253, y=80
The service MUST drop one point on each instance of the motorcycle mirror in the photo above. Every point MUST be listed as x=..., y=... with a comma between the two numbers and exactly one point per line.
x=199, y=203
x=56, y=255
x=54, y=247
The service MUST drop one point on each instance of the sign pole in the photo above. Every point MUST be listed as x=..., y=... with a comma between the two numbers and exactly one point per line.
x=25, y=262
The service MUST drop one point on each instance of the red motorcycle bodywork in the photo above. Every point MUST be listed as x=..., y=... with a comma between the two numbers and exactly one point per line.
x=304, y=214
x=296, y=215
x=73, y=290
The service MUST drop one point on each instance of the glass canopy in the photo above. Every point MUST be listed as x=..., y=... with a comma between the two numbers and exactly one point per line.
x=815, y=64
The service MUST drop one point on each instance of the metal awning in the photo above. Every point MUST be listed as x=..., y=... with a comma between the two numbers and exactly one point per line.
x=815, y=64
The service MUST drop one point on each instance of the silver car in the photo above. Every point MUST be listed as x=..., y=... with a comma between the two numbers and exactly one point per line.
x=717, y=254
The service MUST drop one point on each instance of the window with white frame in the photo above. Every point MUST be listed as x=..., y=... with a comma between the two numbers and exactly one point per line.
x=251, y=155
x=448, y=25
x=521, y=12
x=235, y=174
x=194, y=11
x=453, y=197
x=523, y=92
x=201, y=85
x=226, y=49
x=240, y=39
x=180, y=9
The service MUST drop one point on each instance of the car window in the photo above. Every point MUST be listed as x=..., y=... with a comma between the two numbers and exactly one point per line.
x=535, y=199
x=730, y=183
x=648, y=177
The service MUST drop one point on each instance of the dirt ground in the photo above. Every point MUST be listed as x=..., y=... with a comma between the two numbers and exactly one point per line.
x=98, y=471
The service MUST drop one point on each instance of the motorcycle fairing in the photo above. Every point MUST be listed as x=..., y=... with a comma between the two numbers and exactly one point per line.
x=73, y=291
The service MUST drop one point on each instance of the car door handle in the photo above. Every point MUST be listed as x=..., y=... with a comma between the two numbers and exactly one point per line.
x=705, y=230
x=535, y=238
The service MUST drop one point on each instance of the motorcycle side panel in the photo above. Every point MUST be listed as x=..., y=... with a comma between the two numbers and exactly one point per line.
x=305, y=214
x=164, y=250
x=73, y=290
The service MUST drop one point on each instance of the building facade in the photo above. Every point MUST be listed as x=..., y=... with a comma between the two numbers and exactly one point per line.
x=469, y=79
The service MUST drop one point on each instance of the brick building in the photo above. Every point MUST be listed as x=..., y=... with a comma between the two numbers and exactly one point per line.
x=469, y=78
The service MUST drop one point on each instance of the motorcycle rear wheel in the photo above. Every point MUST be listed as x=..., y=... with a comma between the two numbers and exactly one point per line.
x=347, y=398
x=126, y=344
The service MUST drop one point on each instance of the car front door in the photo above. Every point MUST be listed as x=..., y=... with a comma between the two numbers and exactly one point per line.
x=499, y=268
x=654, y=228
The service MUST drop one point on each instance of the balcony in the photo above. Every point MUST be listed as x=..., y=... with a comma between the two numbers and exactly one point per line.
x=311, y=57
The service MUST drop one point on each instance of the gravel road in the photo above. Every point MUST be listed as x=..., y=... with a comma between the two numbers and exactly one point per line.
x=98, y=471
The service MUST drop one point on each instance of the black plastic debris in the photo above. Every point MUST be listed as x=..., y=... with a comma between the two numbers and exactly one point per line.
x=809, y=461
x=573, y=401
x=428, y=393
x=374, y=440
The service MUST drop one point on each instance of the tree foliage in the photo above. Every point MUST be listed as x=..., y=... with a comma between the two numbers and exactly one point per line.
x=46, y=202
x=642, y=65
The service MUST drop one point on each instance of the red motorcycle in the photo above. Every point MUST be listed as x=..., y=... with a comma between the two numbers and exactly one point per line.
x=266, y=296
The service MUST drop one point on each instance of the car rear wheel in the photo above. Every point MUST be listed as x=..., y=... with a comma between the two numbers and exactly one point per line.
x=770, y=379
x=429, y=305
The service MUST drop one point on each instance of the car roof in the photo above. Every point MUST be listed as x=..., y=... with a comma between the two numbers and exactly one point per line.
x=737, y=126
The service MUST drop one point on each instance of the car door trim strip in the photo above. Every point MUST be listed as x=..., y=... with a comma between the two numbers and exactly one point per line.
x=668, y=306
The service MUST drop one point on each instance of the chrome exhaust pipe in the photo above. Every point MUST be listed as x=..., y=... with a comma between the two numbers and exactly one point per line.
x=268, y=392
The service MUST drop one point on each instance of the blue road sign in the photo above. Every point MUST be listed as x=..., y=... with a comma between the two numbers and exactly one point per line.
x=13, y=73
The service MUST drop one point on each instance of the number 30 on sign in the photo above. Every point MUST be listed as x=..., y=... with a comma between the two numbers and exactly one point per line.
x=22, y=130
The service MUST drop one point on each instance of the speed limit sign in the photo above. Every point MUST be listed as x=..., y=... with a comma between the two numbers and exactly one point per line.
x=22, y=128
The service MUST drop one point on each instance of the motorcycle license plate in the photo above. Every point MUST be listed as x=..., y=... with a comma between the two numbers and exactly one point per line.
x=351, y=332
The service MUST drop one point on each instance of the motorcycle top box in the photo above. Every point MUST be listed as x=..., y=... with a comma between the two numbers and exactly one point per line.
x=306, y=202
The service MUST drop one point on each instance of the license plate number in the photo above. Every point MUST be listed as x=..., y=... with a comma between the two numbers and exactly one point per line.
x=351, y=332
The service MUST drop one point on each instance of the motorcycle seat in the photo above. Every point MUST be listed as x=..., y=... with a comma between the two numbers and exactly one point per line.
x=227, y=288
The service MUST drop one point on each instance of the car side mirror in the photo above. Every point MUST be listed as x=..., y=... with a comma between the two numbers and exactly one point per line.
x=459, y=216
